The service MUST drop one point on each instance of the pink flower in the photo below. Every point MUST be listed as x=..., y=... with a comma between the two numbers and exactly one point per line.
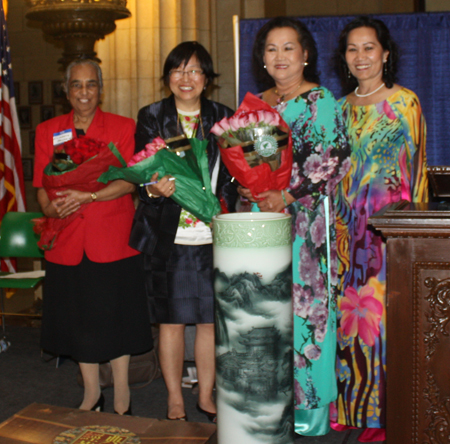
x=318, y=231
x=307, y=201
x=361, y=314
x=302, y=224
x=319, y=168
x=150, y=149
x=252, y=117
x=221, y=127
x=313, y=352
x=228, y=127
x=299, y=361
x=302, y=298
x=271, y=118
x=268, y=117
x=314, y=96
x=235, y=123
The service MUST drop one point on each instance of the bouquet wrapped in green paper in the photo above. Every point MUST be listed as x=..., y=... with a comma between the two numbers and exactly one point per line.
x=189, y=167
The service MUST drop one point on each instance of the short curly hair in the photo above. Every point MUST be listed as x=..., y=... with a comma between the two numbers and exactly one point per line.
x=305, y=39
x=349, y=83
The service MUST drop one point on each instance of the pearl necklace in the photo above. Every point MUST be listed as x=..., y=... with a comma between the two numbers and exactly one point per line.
x=368, y=94
x=282, y=97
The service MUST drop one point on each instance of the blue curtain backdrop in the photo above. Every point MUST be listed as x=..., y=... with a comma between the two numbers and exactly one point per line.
x=424, y=43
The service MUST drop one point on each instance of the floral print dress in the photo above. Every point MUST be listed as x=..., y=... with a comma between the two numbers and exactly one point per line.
x=321, y=160
x=388, y=164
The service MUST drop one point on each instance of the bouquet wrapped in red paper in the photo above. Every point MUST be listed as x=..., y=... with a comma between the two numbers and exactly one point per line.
x=76, y=165
x=256, y=146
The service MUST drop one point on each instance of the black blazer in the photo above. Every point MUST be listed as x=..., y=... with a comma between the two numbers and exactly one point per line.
x=156, y=220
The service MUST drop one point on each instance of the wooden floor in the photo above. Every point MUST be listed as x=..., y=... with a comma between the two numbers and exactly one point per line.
x=42, y=423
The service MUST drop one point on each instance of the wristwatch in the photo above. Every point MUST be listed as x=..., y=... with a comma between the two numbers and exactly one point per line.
x=93, y=196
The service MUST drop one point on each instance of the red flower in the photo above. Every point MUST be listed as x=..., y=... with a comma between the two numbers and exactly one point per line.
x=82, y=148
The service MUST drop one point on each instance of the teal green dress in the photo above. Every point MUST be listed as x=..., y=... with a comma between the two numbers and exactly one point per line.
x=321, y=160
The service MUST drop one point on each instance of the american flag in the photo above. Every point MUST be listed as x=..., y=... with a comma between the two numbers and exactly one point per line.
x=12, y=188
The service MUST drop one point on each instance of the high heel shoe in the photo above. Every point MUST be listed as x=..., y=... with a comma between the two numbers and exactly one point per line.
x=99, y=406
x=210, y=415
x=127, y=413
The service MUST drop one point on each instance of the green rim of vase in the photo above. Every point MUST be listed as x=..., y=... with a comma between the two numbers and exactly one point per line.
x=252, y=230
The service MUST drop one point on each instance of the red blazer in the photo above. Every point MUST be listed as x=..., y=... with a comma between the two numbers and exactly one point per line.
x=102, y=231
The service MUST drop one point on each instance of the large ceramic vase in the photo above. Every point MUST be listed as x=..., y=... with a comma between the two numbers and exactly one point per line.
x=254, y=328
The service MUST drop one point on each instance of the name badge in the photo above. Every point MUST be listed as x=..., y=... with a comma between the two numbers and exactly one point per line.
x=61, y=137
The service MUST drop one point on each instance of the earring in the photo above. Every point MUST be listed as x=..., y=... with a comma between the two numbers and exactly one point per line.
x=385, y=68
x=305, y=63
x=265, y=67
x=349, y=75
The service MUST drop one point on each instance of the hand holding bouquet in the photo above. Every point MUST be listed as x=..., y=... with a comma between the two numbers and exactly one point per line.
x=187, y=164
x=256, y=146
x=76, y=165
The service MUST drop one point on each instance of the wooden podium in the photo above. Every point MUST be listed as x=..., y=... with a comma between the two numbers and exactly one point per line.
x=418, y=315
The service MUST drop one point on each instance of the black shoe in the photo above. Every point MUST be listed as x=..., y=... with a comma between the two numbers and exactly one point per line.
x=211, y=416
x=127, y=413
x=99, y=406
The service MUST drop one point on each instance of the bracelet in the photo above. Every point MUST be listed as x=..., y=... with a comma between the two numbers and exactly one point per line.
x=152, y=196
x=93, y=196
x=284, y=198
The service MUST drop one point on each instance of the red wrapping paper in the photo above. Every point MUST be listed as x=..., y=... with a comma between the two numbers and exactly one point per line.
x=83, y=178
x=260, y=178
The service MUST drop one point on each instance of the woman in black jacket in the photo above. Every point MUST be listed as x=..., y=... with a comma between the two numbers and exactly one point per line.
x=177, y=245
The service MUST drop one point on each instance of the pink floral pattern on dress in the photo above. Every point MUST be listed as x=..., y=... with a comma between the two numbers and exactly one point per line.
x=361, y=314
x=320, y=151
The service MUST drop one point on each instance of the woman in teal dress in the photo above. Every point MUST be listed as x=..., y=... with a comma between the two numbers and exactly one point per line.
x=386, y=130
x=285, y=56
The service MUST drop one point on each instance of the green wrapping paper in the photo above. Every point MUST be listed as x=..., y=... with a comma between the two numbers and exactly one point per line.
x=193, y=189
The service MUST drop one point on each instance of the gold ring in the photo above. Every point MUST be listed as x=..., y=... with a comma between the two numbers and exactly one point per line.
x=170, y=188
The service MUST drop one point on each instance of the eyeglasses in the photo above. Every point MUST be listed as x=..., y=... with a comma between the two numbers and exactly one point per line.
x=90, y=85
x=177, y=74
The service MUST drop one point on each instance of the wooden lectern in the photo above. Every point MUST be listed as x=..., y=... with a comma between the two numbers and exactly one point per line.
x=418, y=318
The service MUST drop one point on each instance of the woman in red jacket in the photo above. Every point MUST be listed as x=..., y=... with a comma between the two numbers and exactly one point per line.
x=94, y=298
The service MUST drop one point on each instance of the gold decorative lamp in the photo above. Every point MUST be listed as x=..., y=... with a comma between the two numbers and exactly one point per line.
x=77, y=23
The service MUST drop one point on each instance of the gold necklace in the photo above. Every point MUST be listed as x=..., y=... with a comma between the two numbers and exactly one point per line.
x=282, y=97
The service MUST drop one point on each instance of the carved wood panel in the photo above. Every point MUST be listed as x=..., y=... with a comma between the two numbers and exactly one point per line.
x=431, y=353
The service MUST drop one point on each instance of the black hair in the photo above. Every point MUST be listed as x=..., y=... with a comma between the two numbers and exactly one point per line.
x=180, y=56
x=349, y=82
x=305, y=39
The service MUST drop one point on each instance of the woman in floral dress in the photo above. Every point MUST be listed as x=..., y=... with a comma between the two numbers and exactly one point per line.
x=387, y=136
x=285, y=55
